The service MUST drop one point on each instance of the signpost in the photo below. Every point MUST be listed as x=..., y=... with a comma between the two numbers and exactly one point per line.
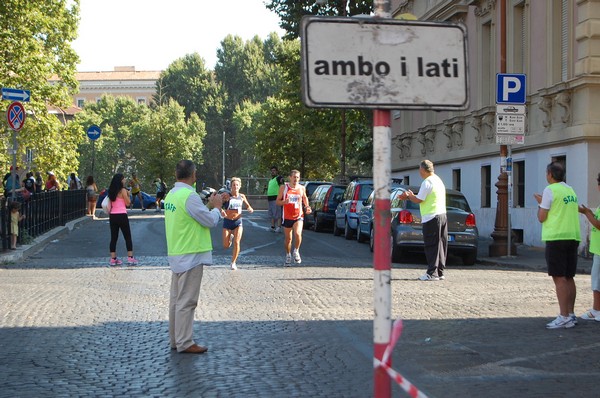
x=511, y=92
x=15, y=115
x=93, y=133
x=13, y=94
x=383, y=64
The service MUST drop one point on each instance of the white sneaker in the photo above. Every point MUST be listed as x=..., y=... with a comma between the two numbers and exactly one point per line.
x=427, y=277
x=233, y=266
x=297, y=258
x=277, y=230
x=561, y=322
x=273, y=229
x=591, y=315
x=288, y=260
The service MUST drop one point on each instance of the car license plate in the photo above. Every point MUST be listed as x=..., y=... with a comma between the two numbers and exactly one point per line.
x=450, y=238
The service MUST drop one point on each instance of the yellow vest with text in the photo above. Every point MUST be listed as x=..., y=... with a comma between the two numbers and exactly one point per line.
x=562, y=222
x=435, y=202
x=184, y=234
x=595, y=236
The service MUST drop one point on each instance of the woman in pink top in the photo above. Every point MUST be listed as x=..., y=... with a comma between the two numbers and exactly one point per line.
x=119, y=201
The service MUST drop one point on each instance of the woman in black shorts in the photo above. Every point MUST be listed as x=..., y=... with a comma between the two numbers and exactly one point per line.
x=232, y=222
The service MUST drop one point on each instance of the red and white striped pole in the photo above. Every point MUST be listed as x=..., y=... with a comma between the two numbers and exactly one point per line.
x=382, y=325
x=382, y=292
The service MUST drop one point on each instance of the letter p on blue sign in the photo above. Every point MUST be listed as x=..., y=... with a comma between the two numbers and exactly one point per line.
x=510, y=88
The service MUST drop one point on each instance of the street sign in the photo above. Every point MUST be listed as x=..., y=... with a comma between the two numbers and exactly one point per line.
x=15, y=114
x=383, y=64
x=13, y=94
x=93, y=132
x=511, y=88
x=510, y=124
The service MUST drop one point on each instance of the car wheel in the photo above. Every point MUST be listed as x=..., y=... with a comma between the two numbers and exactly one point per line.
x=469, y=258
x=336, y=231
x=397, y=252
x=371, y=239
x=317, y=225
x=348, y=231
x=359, y=236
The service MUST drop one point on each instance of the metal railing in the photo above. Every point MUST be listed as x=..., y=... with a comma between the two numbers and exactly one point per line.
x=43, y=211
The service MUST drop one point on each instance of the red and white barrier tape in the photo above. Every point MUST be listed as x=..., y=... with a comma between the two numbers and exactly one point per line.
x=397, y=377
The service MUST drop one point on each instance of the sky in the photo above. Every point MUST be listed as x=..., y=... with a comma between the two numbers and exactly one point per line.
x=150, y=34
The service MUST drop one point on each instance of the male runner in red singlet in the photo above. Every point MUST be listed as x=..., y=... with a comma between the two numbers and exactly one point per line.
x=292, y=196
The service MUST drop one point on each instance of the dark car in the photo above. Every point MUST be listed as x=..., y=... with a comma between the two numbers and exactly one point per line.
x=346, y=214
x=323, y=203
x=407, y=230
x=310, y=186
x=149, y=200
x=366, y=215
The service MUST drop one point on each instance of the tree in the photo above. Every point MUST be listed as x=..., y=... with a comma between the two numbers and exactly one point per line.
x=35, y=37
x=291, y=11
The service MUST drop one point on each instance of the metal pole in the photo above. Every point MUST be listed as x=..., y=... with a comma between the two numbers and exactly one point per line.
x=93, y=155
x=509, y=171
x=382, y=324
x=223, y=184
x=382, y=166
x=13, y=175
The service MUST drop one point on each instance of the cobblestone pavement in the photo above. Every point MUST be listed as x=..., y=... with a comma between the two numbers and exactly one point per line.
x=78, y=328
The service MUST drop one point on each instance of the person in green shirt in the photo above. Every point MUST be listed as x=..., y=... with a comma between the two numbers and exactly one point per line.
x=594, y=219
x=272, y=191
x=558, y=211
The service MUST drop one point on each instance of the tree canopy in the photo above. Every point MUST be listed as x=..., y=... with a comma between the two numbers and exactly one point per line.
x=35, y=37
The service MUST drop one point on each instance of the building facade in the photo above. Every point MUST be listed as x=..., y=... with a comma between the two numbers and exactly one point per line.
x=123, y=81
x=556, y=44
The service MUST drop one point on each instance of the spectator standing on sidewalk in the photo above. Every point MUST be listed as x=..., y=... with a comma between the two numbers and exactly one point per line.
x=232, y=222
x=118, y=220
x=432, y=202
x=187, y=227
x=15, y=218
x=161, y=191
x=275, y=182
x=558, y=212
x=92, y=196
x=292, y=196
x=594, y=219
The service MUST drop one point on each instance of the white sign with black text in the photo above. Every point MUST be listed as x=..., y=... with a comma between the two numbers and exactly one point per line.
x=510, y=124
x=383, y=63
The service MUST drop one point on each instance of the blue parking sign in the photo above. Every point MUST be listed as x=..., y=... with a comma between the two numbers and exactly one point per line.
x=511, y=88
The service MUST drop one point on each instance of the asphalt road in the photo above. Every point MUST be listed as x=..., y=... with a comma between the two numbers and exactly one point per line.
x=71, y=326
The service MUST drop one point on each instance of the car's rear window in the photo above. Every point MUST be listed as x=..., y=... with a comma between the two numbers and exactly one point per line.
x=365, y=191
x=457, y=202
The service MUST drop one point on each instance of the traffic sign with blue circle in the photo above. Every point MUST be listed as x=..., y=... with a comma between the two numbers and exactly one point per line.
x=15, y=114
x=93, y=132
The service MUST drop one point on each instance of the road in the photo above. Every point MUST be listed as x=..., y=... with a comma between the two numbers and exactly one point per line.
x=71, y=326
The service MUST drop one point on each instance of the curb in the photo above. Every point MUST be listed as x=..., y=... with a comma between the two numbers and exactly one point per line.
x=41, y=241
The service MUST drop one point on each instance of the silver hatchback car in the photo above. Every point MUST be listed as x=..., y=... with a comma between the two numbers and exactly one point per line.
x=407, y=231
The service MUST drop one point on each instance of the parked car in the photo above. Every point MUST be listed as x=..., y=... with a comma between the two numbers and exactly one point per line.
x=149, y=200
x=407, y=231
x=310, y=186
x=346, y=217
x=323, y=203
x=366, y=215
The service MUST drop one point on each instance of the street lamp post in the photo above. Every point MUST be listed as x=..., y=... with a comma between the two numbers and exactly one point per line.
x=223, y=184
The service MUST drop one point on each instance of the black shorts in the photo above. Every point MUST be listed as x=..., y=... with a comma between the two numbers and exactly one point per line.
x=290, y=223
x=160, y=195
x=231, y=224
x=561, y=257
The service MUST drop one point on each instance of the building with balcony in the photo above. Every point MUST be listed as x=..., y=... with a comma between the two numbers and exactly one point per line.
x=556, y=44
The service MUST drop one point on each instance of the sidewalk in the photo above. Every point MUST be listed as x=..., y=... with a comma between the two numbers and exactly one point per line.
x=23, y=251
x=527, y=257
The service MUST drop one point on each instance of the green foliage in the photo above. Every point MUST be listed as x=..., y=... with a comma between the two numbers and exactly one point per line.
x=291, y=11
x=35, y=37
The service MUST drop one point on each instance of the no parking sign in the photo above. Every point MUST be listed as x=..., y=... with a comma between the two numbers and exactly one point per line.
x=15, y=114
